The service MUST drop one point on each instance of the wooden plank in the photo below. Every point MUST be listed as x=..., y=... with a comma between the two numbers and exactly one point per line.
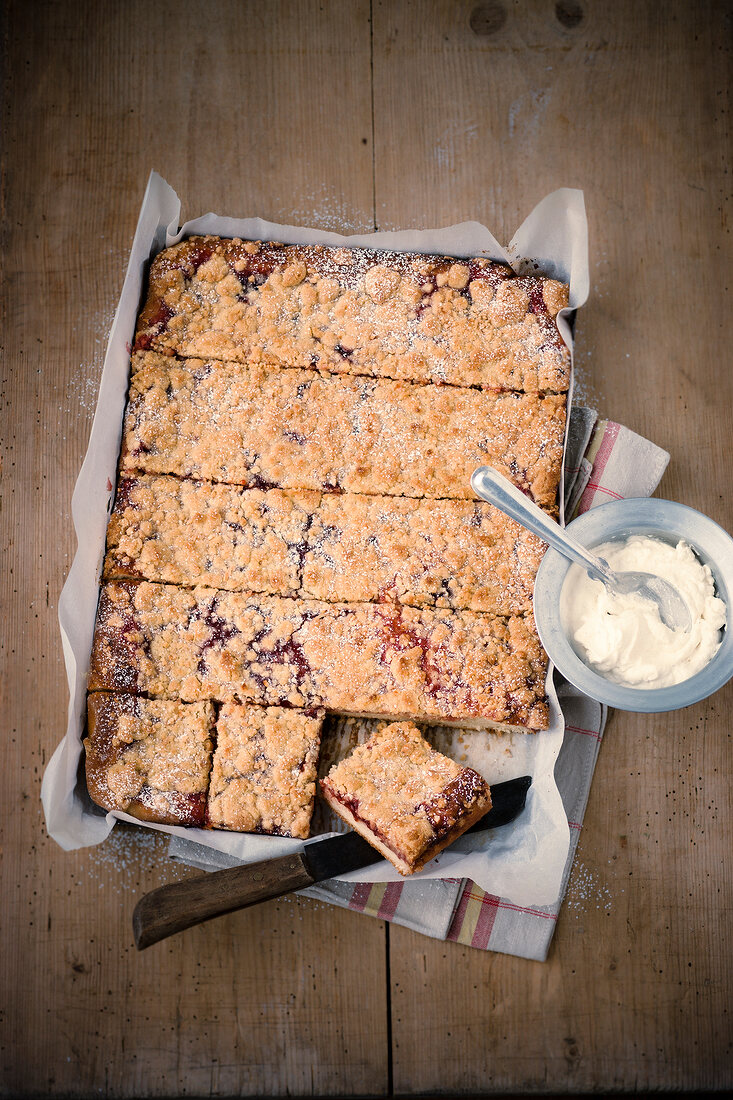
x=628, y=102
x=259, y=1003
x=229, y=105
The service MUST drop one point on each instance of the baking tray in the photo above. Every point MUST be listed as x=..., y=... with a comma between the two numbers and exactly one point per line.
x=523, y=862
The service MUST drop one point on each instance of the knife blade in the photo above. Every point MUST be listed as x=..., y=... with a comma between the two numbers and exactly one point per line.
x=180, y=905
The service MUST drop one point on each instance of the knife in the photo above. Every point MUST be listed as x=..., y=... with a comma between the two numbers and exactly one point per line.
x=180, y=905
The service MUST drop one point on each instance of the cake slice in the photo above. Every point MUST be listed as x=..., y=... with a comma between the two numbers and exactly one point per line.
x=338, y=547
x=376, y=660
x=297, y=429
x=264, y=773
x=357, y=311
x=150, y=758
x=402, y=796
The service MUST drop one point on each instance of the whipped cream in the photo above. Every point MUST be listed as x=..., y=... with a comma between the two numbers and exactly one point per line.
x=623, y=637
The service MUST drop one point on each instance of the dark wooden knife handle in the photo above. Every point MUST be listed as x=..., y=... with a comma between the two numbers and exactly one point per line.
x=180, y=905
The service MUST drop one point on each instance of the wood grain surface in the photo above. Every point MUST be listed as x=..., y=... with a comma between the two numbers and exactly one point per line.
x=349, y=115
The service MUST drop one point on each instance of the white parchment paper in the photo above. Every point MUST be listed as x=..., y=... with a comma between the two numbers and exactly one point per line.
x=522, y=862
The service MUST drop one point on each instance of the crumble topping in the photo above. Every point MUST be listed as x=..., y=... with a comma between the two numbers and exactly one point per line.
x=152, y=758
x=370, y=659
x=426, y=553
x=357, y=311
x=264, y=773
x=191, y=532
x=334, y=547
x=149, y=757
x=292, y=429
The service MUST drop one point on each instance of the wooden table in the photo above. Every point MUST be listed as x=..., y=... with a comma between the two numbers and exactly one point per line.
x=352, y=115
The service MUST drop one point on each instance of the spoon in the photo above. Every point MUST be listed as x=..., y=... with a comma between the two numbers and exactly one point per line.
x=499, y=491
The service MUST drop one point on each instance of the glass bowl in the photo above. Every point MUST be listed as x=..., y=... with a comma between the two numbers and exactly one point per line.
x=670, y=522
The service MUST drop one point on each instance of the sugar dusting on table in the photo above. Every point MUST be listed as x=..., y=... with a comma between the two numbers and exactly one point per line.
x=586, y=890
x=133, y=853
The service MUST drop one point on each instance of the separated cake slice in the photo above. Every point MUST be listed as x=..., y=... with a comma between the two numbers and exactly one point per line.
x=150, y=758
x=364, y=659
x=296, y=429
x=264, y=773
x=406, y=799
x=339, y=547
x=357, y=311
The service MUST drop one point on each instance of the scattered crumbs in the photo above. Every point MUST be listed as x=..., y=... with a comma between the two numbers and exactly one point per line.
x=82, y=387
x=83, y=384
x=101, y=323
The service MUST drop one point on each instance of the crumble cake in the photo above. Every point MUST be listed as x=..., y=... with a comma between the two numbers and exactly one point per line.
x=263, y=778
x=294, y=526
x=155, y=760
x=297, y=429
x=380, y=660
x=149, y=757
x=362, y=311
x=407, y=800
x=338, y=547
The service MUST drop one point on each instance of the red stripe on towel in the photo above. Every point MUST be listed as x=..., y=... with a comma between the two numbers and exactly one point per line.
x=485, y=922
x=610, y=435
x=390, y=901
x=360, y=896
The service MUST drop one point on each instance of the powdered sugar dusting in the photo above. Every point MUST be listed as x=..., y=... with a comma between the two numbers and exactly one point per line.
x=357, y=311
x=324, y=209
x=250, y=425
x=586, y=890
x=336, y=547
x=585, y=391
x=130, y=854
x=83, y=385
x=368, y=659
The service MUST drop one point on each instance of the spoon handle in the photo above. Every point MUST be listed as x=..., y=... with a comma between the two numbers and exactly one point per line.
x=499, y=491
